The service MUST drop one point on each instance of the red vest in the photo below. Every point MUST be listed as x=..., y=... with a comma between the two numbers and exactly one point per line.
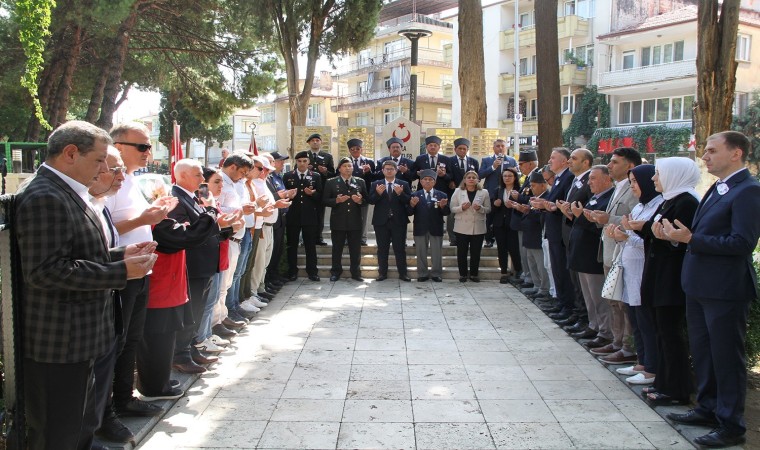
x=168, y=282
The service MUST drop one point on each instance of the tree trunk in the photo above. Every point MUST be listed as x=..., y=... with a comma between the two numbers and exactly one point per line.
x=716, y=66
x=472, y=79
x=60, y=106
x=96, y=98
x=547, y=78
x=115, y=67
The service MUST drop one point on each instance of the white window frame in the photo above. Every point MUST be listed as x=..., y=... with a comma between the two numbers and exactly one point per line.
x=527, y=19
x=628, y=106
x=362, y=118
x=314, y=111
x=626, y=54
x=267, y=114
x=444, y=116
x=568, y=104
x=391, y=114
x=743, y=47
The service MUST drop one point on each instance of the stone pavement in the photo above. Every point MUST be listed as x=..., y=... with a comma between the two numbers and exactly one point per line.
x=408, y=365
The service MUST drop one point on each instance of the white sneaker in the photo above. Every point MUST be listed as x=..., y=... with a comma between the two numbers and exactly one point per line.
x=219, y=341
x=209, y=347
x=640, y=378
x=249, y=306
x=628, y=371
x=256, y=302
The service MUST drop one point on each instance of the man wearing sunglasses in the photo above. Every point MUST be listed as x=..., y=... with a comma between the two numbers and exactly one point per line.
x=133, y=217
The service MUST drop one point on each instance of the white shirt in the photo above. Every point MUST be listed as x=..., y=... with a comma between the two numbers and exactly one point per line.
x=229, y=200
x=79, y=188
x=99, y=205
x=250, y=219
x=127, y=204
x=260, y=186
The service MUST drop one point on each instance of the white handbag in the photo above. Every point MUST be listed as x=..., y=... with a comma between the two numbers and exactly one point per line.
x=613, y=284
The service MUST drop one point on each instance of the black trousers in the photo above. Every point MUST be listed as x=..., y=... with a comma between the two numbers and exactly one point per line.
x=387, y=234
x=154, y=362
x=673, y=370
x=508, y=246
x=103, y=371
x=646, y=322
x=309, y=233
x=490, y=232
x=278, y=245
x=561, y=275
x=579, y=304
x=134, y=301
x=339, y=238
x=199, y=291
x=471, y=243
x=60, y=405
x=320, y=222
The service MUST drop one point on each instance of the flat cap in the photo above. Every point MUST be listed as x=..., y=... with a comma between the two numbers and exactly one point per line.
x=528, y=155
x=394, y=140
x=428, y=173
x=461, y=141
x=537, y=177
x=354, y=143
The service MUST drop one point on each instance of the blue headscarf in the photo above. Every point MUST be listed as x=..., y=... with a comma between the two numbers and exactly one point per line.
x=643, y=175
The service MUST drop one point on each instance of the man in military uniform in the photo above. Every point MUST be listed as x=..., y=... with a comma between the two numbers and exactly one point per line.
x=321, y=162
x=301, y=214
x=364, y=168
x=404, y=172
x=347, y=196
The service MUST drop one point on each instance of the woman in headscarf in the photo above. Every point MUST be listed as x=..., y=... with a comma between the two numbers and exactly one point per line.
x=662, y=297
x=632, y=259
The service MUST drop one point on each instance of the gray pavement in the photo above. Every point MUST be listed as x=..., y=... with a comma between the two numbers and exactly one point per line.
x=408, y=365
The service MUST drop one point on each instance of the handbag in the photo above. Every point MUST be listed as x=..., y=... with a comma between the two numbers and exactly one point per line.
x=613, y=284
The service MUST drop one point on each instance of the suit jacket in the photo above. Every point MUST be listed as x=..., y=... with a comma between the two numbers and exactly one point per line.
x=502, y=216
x=427, y=217
x=203, y=259
x=69, y=273
x=532, y=227
x=390, y=210
x=663, y=261
x=457, y=174
x=408, y=176
x=303, y=209
x=322, y=159
x=490, y=176
x=618, y=206
x=345, y=216
x=584, y=239
x=718, y=262
x=423, y=162
x=516, y=219
x=470, y=221
x=553, y=219
x=368, y=177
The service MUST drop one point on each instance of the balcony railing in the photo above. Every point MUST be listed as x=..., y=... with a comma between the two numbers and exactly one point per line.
x=393, y=25
x=567, y=26
x=569, y=75
x=425, y=93
x=649, y=74
x=380, y=61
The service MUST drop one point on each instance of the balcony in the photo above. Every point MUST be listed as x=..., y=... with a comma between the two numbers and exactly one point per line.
x=381, y=61
x=567, y=26
x=648, y=74
x=425, y=94
x=569, y=75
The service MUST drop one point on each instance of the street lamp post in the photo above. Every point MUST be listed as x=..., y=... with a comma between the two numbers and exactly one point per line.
x=414, y=35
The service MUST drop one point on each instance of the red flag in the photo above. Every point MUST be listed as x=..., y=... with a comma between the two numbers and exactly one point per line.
x=176, y=153
x=252, y=146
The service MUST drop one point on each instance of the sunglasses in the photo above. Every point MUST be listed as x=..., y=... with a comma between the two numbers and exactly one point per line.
x=142, y=148
x=258, y=167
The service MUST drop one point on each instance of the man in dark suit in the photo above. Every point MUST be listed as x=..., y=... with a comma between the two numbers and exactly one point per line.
x=433, y=160
x=301, y=214
x=720, y=283
x=395, y=146
x=390, y=197
x=459, y=164
x=69, y=280
x=321, y=162
x=364, y=168
x=429, y=206
x=553, y=218
x=583, y=248
x=347, y=196
x=490, y=171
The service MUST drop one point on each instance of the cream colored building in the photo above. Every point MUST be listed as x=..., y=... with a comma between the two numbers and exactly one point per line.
x=377, y=77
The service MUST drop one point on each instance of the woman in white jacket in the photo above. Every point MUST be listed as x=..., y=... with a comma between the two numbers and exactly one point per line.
x=470, y=204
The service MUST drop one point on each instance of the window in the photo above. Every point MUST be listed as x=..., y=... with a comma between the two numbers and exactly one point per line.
x=387, y=83
x=267, y=143
x=662, y=54
x=570, y=8
x=624, y=112
x=636, y=112
x=676, y=108
x=688, y=107
x=267, y=115
x=444, y=116
x=585, y=54
x=656, y=110
x=314, y=111
x=361, y=87
x=533, y=113
x=393, y=49
x=568, y=104
x=526, y=19
x=585, y=8
x=523, y=66
x=741, y=102
x=663, y=110
x=645, y=56
x=743, y=47
x=390, y=114
x=362, y=119
x=649, y=110
x=246, y=125
x=678, y=51
x=364, y=57
x=628, y=59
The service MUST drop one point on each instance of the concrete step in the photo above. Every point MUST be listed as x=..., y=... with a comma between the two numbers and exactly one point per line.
x=370, y=272
x=411, y=259
x=371, y=248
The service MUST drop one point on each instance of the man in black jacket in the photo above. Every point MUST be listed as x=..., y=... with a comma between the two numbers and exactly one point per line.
x=301, y=216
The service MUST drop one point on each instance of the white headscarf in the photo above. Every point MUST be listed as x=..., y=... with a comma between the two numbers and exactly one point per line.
x=678, y=175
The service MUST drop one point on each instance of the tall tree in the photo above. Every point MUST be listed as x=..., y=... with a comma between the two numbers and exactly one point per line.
x=547, y=78
x=471, y=72
x=315, y=28
x=716, y=67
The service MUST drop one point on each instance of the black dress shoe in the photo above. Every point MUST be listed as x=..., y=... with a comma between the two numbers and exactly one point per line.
x=174, y=384
x=588, y=333
x=321, y=243
x=561, y=315
x=231, y=324
x=437, y=279
x=381, y=278
x=720, y=438
x=597, y=342
x=421, y=279
x=265, y=295
x=570, y=320
x=504, y=279
x=112, y=429
x=357, y=278
x=293, y=277
x=223, y=332
x=98, y=446
x=576, y=327
x=243, y=313
x=404, y=278
x=137, y=408
x=334, y=277
x=314, y=277
x=188, y=367
x=488, y=245
x=364, y=242
x=474, y=279
x=692, y=417
x=526, y=285
x=200, y=358
x=462, y=279
x=272, y=289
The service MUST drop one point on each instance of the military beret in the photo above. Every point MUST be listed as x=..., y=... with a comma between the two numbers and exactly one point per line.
x=344, y=160
x=303, y=154
x=394, y=140
x=354, y=143
x=461, y=141
x=537, y=177
x=315, y=135
x=428, y=173
x=432, y=140
x=528, y=155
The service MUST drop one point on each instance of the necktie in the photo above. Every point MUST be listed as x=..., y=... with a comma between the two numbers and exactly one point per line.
x=302, y=177
x=111, y=227
x=461, y=163
x=356, y=164
x=395, y=160
x=390, y=189
x=432, y=162
x=428, y=196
